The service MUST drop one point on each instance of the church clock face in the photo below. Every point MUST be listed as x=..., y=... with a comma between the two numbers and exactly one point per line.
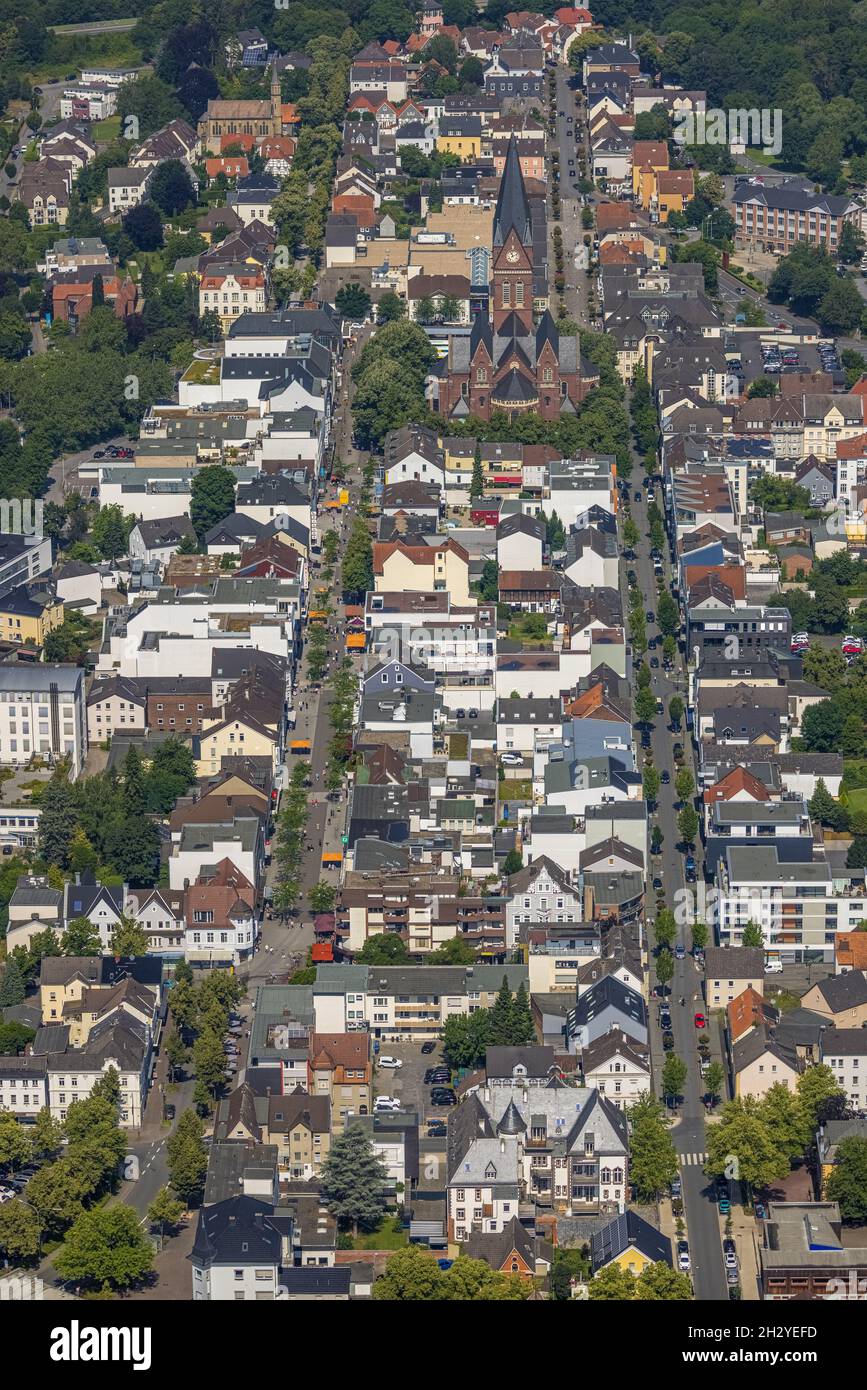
x=512, y=256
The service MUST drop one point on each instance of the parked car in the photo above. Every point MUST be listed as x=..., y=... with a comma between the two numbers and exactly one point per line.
x=385, y=1103
x=428, y=1047
x=511, y=759
x=679, y=952
x=732, y=1275
x=683, y=1260
x=760, y=1210
x=700, y=1021
x=665, y=777
x=437, y=1130
x=668, y=1041
x=392, y=1063
x=724, y=1205
x=676, y=1187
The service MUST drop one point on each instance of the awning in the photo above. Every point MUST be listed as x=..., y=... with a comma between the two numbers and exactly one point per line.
x=332, y=858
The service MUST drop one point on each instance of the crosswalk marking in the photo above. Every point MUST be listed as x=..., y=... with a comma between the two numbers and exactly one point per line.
x=692, y=1159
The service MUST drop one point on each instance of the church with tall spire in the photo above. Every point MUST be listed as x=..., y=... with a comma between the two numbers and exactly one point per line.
x=515, y=360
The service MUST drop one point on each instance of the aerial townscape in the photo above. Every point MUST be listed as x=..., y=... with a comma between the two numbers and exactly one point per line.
x=433, y=652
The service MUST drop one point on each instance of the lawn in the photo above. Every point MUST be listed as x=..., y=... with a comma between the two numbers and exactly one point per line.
x=857, y=800
x=516, y=789
x=390, y=1235
x=109, y=129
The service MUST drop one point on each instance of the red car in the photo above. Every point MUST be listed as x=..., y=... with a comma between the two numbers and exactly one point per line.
x=700, y=1021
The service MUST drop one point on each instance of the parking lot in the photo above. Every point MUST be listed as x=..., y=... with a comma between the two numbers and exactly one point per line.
x=754, y=364
x=406, y=1083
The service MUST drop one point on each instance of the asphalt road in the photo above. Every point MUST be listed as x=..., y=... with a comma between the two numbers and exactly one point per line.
x=570, y=135
x=688, y=1132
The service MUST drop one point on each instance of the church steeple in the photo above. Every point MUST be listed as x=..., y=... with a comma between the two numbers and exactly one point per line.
x=276, y=101
x=512, y=279
x=513, y=208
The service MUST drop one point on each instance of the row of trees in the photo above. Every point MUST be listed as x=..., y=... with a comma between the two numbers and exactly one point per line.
x=200, y=1013
x=288, y=852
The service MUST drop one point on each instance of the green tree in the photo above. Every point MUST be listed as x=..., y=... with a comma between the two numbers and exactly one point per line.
x=466, y=1037
x=106, y=1248
x=675, y=712
x=165, y=1211
x=212, y=498
x=652, y=1156
x=645, y=706
x=353, y=301
x=322, y=897
x=383, y=948
x=353, y=1181
x=684, y=784
x=57, y=822
x=12, y=985
x=664, y=968
x=81, y=938
x=656, y=840
x=673, y=1076
x=612, y=1285
x=129, y=938
x=784, y=1114
x=820, y=1096
x=357, y=572
x=650, y=782
x=513, y=863
x=668, y=615
x=752, y=935
x=847, y=1183
x=456, y=951
x=665, y=929
x=477, y=481
x=390, y=308
x=82, y=855
x=20, y=1232
x=699, y=936
x=110, y=531
x=742, y=1132
x=187, y=1158
x=658, y=1283
x=46, y=1134
x=713, y=1080
x=177, y=1052
x=687, y=824
x=14, y=1037
x=631, y=534
x=210, y=1061
x=15, y=1144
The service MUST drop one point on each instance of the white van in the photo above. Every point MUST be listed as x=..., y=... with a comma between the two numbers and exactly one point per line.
x=773, y=965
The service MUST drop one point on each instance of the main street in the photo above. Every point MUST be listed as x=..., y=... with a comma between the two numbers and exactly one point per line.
x=285, y=942
x=688, y=1133
x=570, y=137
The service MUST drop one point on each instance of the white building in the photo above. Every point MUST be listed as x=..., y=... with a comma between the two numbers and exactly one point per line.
x=42, y=713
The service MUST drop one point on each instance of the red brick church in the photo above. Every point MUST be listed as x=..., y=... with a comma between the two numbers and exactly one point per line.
x=512, y=362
